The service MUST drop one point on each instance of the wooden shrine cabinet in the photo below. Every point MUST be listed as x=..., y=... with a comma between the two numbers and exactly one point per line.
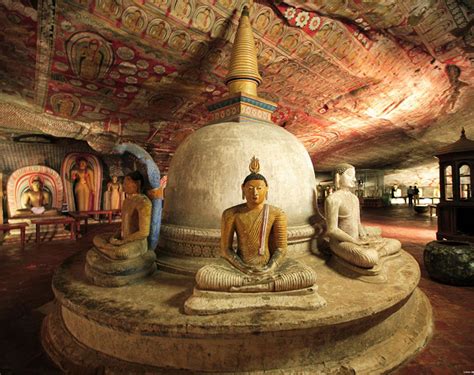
x=456, y=207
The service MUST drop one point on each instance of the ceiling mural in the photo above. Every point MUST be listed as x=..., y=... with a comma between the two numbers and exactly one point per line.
x=18, y=37
x=354, y=80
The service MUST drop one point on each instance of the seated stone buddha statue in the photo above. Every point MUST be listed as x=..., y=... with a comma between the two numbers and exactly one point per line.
x=122, y=258
x=259, y=263
x=361, y=248
x=36, y=200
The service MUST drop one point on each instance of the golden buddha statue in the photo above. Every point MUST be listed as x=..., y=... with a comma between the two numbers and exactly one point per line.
x=84, y=185
x=124, y=257
x=258, y=264
x=36, y=200
x=361, y=248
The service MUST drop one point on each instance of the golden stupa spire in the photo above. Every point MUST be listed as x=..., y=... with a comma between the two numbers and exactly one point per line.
x=243, y=76
x=242, y=104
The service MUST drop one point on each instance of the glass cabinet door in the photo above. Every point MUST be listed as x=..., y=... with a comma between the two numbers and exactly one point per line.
x=465, y=182
x=448, y=183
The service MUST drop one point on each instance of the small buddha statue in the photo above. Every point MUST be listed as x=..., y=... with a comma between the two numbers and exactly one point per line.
x=114, y=196
x=362, y=248
x=84, y=185
x=121, y=258
x=36, y=200
x=259, y=263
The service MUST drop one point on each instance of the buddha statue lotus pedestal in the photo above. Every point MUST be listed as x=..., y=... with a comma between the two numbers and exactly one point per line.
x=257, y=275
x=123, y=258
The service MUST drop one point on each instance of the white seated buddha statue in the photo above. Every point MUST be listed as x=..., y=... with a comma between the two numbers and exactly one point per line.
x=359, y=246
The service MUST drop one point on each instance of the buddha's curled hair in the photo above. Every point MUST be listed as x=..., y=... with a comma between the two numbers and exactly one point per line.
x=338, y=171
x=137, y=176
x=255, y=176
x=341, y=168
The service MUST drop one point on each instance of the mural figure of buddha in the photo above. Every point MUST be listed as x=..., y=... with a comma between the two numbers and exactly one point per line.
x=183, y=9
x=203, y=19
x=134, y=20
x=358, y=246
x=65, y=106
x=90, y=60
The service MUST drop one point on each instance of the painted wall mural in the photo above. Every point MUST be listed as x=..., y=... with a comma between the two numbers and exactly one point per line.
x=89, y=55
x=347, y=75
x=18, y=37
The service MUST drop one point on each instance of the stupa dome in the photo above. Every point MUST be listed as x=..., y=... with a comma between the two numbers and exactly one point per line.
x=209, y=167
x=204, y=179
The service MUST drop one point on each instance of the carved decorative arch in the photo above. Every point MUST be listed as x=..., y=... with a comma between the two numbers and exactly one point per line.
x=18, y=183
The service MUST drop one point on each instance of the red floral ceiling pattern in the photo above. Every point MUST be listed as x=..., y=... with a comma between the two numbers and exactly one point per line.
x=354, y=80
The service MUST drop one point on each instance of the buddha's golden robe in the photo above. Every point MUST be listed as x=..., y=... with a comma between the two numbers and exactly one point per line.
x=248, y=225
x=260, y=241
x=136, y=218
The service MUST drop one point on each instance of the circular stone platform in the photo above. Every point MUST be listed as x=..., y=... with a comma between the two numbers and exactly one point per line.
x=365, y=328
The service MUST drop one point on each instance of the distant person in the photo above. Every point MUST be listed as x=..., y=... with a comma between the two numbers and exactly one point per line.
x=416, y=195
x=410, y=193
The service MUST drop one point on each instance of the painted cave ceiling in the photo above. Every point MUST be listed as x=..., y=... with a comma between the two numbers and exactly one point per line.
x=377, y=83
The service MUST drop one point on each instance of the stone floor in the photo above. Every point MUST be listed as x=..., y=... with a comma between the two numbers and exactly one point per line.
x=25, y=277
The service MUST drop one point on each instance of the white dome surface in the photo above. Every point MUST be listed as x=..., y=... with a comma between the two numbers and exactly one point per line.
x=209, y=167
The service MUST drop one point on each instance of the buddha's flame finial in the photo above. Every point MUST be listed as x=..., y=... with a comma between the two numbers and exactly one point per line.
x=243, y=73
x=254, y=165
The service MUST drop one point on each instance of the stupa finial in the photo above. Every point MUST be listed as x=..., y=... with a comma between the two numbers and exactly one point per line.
x=254, y=165
x=463, y=132
x=243, y=103
x=243, y=76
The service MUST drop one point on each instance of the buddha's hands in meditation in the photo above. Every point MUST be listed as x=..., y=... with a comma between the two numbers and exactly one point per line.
x=369, y=242
x=363, y=241
x=262, y=271
x=116, y=241
x=363, y=235
x=259, y=275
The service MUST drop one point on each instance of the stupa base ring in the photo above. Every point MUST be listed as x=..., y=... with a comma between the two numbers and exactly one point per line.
x=144, y=329
x=184, y=250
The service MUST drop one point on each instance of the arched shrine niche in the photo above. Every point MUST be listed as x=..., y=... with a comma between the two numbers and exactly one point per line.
x=19, y=182
x=82, y=176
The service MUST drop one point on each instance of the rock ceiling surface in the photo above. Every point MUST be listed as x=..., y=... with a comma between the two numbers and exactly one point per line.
x=377, y=83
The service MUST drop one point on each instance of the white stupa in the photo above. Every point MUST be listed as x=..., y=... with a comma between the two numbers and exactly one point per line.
x=209, y=167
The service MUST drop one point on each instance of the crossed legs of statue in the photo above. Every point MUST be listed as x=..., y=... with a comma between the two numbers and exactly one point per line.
x=119, y=252
x=367, y=255
x=223, y=277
